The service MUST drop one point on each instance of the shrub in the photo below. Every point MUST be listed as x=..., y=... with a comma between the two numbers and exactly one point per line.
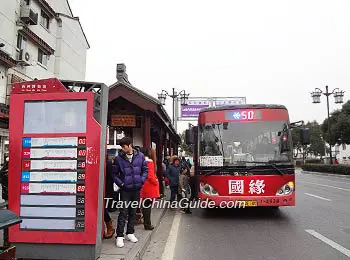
x=314, y=161
x=327, y=168
x=298, y=163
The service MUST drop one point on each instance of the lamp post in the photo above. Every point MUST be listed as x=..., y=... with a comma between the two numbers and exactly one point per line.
x=183, y=96
x=338, y=99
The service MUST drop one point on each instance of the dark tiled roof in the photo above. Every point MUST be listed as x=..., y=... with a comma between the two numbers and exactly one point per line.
x=146, y=97
x=140, y=92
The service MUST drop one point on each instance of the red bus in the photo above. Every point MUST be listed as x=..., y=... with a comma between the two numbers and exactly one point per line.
x=244, y=154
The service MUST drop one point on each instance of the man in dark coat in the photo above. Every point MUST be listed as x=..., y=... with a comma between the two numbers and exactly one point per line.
x=129, y=173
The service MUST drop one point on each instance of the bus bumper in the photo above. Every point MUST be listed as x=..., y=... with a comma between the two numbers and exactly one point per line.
x=249, y=201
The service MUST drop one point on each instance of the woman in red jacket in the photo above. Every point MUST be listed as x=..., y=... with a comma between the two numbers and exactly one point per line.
x=150, y=189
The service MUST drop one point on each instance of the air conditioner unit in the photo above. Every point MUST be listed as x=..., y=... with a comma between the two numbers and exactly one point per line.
x=29, y=16
x=24, y=57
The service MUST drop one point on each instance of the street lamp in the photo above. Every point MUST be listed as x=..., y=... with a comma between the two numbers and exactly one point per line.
x=183, y=97
x=338, y=99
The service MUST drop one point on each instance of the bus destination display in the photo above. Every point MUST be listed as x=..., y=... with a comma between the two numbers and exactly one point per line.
x=53, y=184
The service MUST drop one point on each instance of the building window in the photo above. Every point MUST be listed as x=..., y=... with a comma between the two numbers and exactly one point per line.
x=42, y=57
x=21, y=42
x=344, y=147
x=44, y=20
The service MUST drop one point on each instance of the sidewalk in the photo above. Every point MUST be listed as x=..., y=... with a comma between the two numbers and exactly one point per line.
x=131, y=251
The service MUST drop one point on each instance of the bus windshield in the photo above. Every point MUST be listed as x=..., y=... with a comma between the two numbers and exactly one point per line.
x=243, y=143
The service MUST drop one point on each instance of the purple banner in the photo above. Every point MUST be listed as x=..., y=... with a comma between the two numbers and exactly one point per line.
x=192, y=110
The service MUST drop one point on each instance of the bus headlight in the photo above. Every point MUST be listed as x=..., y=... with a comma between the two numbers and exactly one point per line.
x=286, y=189
x=207, y=189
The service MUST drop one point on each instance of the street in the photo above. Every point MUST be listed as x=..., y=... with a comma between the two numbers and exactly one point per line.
x=318, y=227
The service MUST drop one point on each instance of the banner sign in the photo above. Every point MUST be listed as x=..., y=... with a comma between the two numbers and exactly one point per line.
x=230, y=102
x=123, y=120
x=194, y=106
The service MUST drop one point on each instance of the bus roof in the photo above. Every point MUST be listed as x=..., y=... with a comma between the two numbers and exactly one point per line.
x=246, y=106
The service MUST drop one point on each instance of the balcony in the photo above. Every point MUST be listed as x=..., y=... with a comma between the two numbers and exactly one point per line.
x=28, y=16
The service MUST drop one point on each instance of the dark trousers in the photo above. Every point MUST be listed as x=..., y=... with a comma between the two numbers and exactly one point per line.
x=174, y=191
x=107, y=217
x=127, y=213
x=192, y=183
x=146, y=212
x=161, y=185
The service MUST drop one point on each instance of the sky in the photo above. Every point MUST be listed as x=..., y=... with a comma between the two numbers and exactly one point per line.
x=271, y=51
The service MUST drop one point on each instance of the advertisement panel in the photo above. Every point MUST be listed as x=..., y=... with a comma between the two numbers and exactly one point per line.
x=229, y=101
x=194, y=105
x=193, y=108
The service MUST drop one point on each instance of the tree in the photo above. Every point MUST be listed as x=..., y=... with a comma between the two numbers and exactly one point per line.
x=297, y=147
x=340, y=126
x=335, y=134
x=317, y=144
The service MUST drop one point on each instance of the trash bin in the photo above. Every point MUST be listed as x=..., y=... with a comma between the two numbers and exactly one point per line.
x=7, y=219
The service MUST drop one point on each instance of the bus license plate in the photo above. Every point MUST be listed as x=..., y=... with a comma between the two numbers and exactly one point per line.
x=251, y=203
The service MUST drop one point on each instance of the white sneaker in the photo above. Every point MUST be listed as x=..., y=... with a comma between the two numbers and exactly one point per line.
x=132, y=238
x=120, y=242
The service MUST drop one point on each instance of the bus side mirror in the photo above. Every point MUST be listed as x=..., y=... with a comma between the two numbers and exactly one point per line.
x=305, y=136
x=189, y=136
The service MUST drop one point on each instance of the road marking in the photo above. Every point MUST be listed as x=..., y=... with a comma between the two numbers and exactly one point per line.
x=319, y=197
x=329, y=242
x=169, y=250
x=326, y=175
x=326, y=178
x=324, y=185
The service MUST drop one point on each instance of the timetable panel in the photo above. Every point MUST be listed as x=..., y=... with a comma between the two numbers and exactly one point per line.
x=53, y=183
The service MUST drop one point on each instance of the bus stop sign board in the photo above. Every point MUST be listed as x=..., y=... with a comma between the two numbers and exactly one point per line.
x=55, y=175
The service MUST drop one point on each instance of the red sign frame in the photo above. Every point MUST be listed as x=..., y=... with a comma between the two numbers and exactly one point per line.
x=92, y=166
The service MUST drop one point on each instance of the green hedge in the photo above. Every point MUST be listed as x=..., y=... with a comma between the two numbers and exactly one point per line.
x=308, y=161
x=314, y=161
x=327, y=168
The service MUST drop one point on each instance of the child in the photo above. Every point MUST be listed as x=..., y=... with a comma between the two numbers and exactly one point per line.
x=183, y=184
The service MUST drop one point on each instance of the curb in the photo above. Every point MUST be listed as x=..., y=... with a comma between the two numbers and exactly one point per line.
x=139, y=251
x=327, y=174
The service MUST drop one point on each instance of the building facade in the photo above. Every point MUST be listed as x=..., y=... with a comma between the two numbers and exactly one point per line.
x=38, y=39
x=343, y=153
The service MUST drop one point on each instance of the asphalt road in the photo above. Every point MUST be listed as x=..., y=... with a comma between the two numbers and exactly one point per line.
x=318, y=227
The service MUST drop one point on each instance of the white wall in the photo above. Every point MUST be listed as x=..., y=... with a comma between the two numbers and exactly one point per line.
x=66, y=38
x=343, y=153
x=8, y=30
x=72, y=53
x=48, y=35
x=60, y=6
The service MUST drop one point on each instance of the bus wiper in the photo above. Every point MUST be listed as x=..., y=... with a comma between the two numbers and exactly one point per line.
x=225, y=167
x=269, y=163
